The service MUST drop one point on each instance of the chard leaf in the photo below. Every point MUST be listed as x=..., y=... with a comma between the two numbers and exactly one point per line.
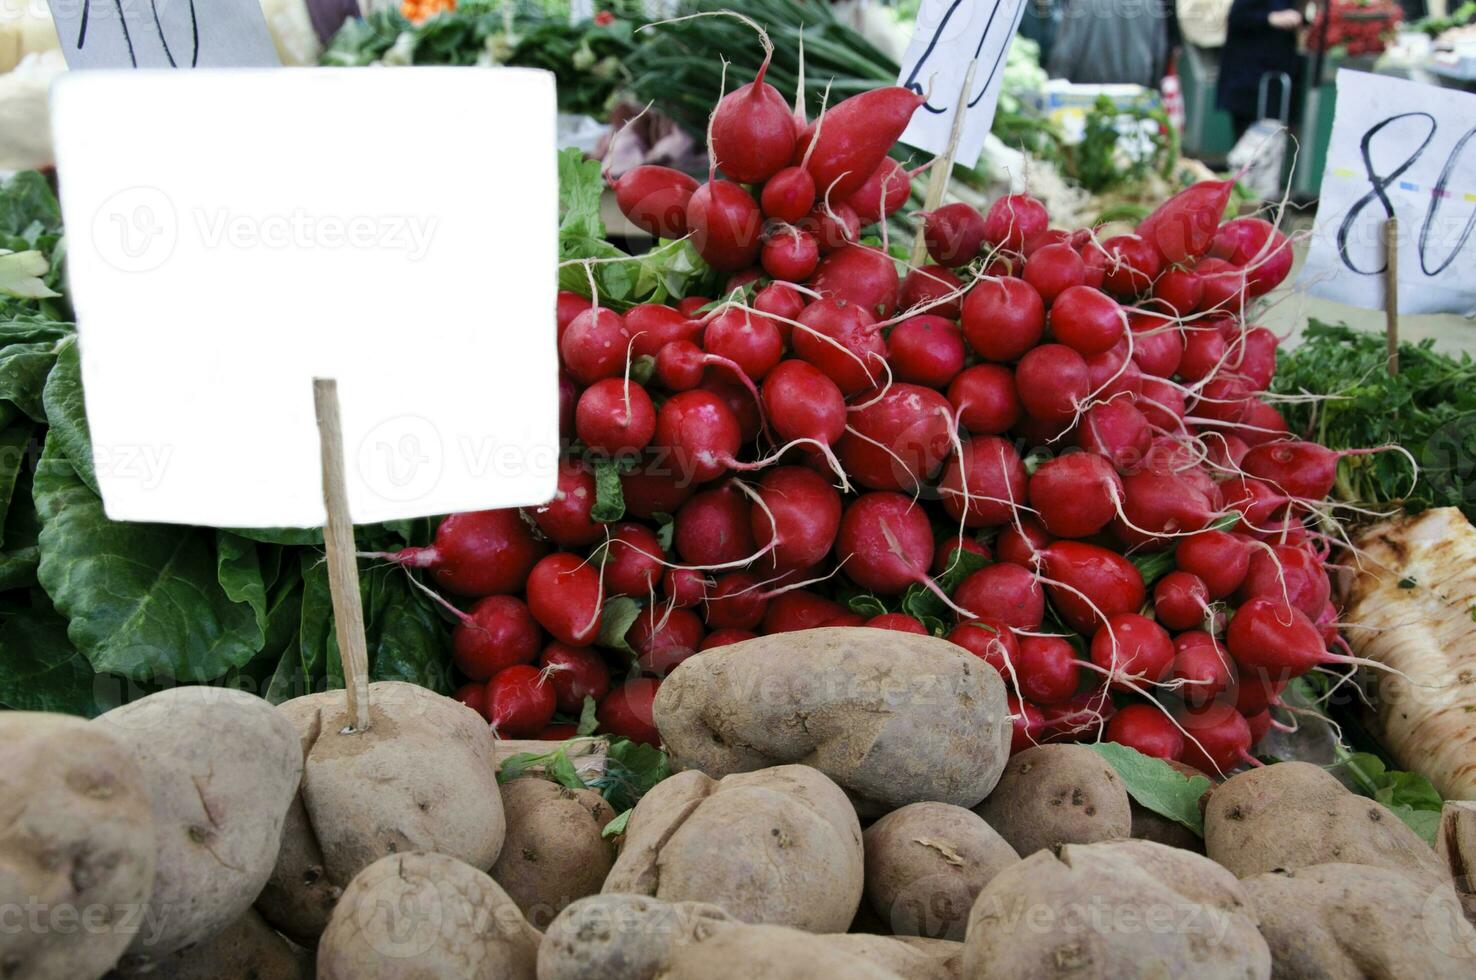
x=40, y=670
x=66, y=413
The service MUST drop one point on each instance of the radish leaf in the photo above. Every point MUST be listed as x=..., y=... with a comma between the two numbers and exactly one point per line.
x=1157, y=785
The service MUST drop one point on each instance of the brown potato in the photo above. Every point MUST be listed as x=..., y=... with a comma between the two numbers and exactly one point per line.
x=773, y=953
x=76, y=840
x=925, y=865
x=553, y=852
x=1294, y=814
x=247, y=948
x=891, y=717
x=427, y=916
x=1117, y=908
x=780, y=846
x=623, y=936
x=1057, y=794
x=1353, y=921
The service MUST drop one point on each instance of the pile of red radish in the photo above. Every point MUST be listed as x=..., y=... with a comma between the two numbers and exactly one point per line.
x=1061, y=408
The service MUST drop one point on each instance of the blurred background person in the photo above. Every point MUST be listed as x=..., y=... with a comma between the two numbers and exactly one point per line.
x=1111, y=41
x=1260, y=39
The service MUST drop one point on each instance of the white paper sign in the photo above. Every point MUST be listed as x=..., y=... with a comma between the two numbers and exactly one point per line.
x=950, y=35
x=163, y=34
x=234, y=234
x=1398, y=149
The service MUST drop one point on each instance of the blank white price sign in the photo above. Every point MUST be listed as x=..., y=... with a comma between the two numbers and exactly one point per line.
x=234, y=234
x=950, y=35
x=1405, y=150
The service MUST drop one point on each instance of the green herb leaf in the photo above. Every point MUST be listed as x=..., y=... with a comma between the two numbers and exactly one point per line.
x=1410, y=796
x=561, y=770
x=1157, y=785
x=588, y=722
x=631, y=770
x=609, y=505
x=615, y=621
x=867, y=605
x=617, y=826
x=923, y=604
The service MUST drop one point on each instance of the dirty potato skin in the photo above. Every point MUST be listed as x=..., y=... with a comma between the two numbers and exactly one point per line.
x=553, y=852
x=1126, y=908
x=1057, y=794
x=76, y=830
x=247, y=949
x=1294, y=814
x=430, y=917
x=220, y=767
x=891, y=717
x=780, y=846
x=1348, y=921
x=623, y=936
x=773, y=953
x=925, y=865
x=422, y=778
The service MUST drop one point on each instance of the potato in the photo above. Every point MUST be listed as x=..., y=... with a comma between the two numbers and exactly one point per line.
x=910, y=957
x=892, y=717
x=780, y=846
x=427, y=916
x=422, y=777
x=1117, y=908
x=1057, y=794
x=76, y=845
x=247, y=948
x=623, y=936
x=1353, y=921
x=1294, y=814
x=553, y=852
x=220, y=767
x=773, y=953
x=925, y=865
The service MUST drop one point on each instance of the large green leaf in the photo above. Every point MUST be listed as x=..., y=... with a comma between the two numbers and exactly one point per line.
x=27, y=205
x=39, y=668
x=23, y=371
x=238, y=567
x=18, y=568
x=408, y=640
x=142, y=600
x=15, y=441
x=65, y=413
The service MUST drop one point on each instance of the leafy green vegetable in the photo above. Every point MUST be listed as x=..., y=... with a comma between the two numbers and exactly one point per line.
x=39, y=670
x=1409, y=795
x=66, y=414
x=617, y=826
x=615, y=621
x=588, y=721
x=609, y=505
x=631, y=770
x=1157, y=785
x=924, y=604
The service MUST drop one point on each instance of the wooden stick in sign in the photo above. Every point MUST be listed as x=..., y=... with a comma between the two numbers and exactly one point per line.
x=942, y=169
x=1391, y=292
x=343, y=566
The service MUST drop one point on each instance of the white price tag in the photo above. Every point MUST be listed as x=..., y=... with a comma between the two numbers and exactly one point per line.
x=950, y=35
x=1398, y=149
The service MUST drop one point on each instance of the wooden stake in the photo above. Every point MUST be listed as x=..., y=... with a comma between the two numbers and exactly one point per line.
x=1391, y=292
x=343, y=565
x=942, y=169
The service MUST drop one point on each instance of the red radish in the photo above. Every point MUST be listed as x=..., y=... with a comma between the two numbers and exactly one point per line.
x=615, y=416
x=1256, y=356
x=1076, y=494
x=691, y=306
x=1182, y=228
x=701, y=433
x=789, y=195
x=1095, y=260
x=565, y=596
x=924, y=289
x=1133, y=646
x=1285, y=572
x=846, y=619
x=725, y=222
x=626, y=711
x=722, y=638
x=633, y=561
x=1259, y=503
x=655, y=199
x=800, y=517
x=575, y=673
x=1158, y=344
x=1079, y=572
x=657, y=486
x=883, y=194
x=779, y=301
x=1018, y=544
x=802, y=403
x=1203, y=667
x=1157, y=505
x=1204, y=352
x=1179, y=291
x=663, y=638
x=1269, y=635
x=841, y=339
x=735, y=601
x=852, y=137
x=1303, y=470
x=1263, y=424
x=1029, y=724
x=1256, y=245
x=1086, y=320
x=945, y=555
x=1225, y=399
x=992, y=642
x=1224, y=286
x=1053, y=381
x=684, y=587
x=1131, y=266
x=1259, y=724
x=474, y=696
x=749, y=340
x=1003, y=592
x=1051, y=236
x=565, y=519
x=790, y=254
x=1162, y=403
x=1083, y=717
x=557, y=733
x=478, y=553
x=985, y=399
x=652, y=326
x=568, y=395
x=520, y=702
x=954, y=234
x=1116, y=430
x=1013, y=220
x=742, y=400
x=1180, y=601
x=569, y=306
x=898, y=622
x=498, y=632
x=926, y=350
x=989, y=477
x=885, y=543
x=595, y=346
x=861, y=275
x=898, y=439
x=752, y=130
x=1003, y=318
x=1257, y=689
x=1053, y=269
x=1226, y=452
x=1048, y=669
x=1147, y=729
x=833, y=227
x=742, y=279
x=1219, y=738
x=798, y=609
x=712, y=528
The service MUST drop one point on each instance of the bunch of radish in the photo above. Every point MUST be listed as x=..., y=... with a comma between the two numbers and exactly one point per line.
x=1077, y=420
